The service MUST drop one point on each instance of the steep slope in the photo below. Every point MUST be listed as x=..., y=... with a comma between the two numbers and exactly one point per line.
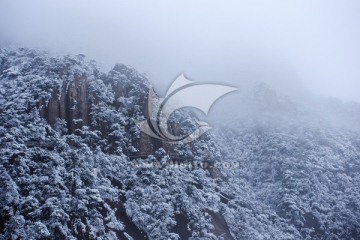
x=73, y=164
x=69, y=165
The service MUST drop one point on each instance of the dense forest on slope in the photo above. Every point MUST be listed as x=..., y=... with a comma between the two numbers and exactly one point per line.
x=72, y=165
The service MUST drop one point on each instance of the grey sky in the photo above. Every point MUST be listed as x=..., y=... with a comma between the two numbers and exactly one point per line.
x=312, y=43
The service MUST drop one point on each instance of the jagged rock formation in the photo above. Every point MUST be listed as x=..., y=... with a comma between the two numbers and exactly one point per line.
x=70, y=103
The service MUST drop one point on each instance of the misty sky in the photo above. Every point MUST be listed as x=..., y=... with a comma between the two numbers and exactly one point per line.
x=314, y=43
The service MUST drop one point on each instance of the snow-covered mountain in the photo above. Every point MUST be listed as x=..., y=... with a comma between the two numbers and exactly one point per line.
x=70, y=157
x=75, y=166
